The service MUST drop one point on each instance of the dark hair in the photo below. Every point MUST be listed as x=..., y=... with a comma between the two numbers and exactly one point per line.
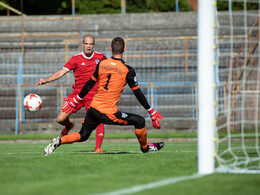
x=117, y=45
x=89, y=35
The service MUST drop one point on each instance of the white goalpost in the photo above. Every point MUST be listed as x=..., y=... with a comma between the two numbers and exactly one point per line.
x=205, y=87
x=229, y=86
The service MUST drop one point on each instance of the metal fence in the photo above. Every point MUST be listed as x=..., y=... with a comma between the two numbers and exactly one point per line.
x=166, y=70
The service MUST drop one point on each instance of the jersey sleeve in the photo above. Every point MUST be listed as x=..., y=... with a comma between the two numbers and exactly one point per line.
x=86, y=88
x=95, y=74
x=131, y=78
x=71, y=64
x=141, y=98
x=90, y=83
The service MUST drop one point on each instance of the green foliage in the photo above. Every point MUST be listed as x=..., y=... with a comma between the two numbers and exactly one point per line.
x=64, y=6
x=155, y=6
x=49, y=7
x=184, y=6
x=136, y=6
x=98, y=6
x=222, y=6
x=132, y=6
x=3, y=1
x=160, y=6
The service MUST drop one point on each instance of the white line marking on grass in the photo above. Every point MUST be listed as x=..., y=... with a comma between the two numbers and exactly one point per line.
x=156, y=184
x=20, y=153
x=92, y=152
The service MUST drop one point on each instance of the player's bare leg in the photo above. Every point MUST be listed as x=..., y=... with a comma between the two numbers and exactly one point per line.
x=64, y=120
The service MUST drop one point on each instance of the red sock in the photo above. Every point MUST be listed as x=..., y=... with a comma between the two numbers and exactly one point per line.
x=71, y=138
x=67, y=124
x=100, y=131
x=141, y=135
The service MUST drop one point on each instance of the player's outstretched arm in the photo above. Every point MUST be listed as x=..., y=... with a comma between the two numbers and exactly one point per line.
x=41, y=81
x=87, y=87
x=55, y=76
x=153, y=114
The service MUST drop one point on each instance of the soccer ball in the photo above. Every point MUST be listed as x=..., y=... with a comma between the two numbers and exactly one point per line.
x=32, y=102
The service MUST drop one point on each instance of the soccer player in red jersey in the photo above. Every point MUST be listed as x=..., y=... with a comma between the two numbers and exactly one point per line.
x=112, y=75
x=83, y=66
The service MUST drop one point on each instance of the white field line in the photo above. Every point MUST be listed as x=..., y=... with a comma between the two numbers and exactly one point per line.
x=91, y=152
x=128, y=140
x=156, y=184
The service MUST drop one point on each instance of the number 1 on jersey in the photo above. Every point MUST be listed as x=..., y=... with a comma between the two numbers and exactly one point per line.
x=108, y=78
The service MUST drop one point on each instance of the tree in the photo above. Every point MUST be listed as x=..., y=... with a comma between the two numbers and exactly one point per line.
x=236, y=6
x=98, y=6
x=54, y=7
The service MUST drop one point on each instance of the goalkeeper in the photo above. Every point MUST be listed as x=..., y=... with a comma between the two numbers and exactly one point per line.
x=112, y=75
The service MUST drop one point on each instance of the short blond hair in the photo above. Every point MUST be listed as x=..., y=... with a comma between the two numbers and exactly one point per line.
x=89, y=35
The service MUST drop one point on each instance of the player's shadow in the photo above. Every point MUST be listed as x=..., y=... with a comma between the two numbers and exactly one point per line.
x=105, y=153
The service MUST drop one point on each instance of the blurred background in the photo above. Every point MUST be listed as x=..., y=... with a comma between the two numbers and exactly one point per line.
x=38, y=37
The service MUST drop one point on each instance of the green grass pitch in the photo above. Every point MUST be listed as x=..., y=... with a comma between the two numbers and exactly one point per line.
x=122, y=169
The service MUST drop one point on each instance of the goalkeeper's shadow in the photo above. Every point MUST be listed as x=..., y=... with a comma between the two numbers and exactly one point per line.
x=109, y=152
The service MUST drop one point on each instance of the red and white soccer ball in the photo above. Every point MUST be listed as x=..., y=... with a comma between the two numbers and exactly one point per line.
x=32, y=102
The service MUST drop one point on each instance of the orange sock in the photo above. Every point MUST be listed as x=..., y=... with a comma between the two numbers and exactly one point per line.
x=141, y=135
x=100, y=131
x=71, y=138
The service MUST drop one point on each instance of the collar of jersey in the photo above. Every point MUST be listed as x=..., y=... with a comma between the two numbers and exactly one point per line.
x=118, y=59
x=86, y=56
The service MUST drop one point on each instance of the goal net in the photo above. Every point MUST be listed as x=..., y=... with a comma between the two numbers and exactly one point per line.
x=237, y=86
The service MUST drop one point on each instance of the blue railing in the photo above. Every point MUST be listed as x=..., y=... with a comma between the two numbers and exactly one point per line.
x=169, y=86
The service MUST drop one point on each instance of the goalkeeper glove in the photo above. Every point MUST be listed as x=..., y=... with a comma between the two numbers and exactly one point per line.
x=154, y=116
x=71, y=104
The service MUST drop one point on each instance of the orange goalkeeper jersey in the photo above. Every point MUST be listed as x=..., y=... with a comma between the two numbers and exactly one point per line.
x=112, y=74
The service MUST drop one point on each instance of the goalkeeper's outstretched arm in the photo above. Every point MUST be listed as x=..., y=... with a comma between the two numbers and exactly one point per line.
x=141, y=98
x=153, y=114
x=87, y=87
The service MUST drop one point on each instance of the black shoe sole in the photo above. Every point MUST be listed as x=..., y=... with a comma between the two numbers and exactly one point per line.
x=161, y=144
